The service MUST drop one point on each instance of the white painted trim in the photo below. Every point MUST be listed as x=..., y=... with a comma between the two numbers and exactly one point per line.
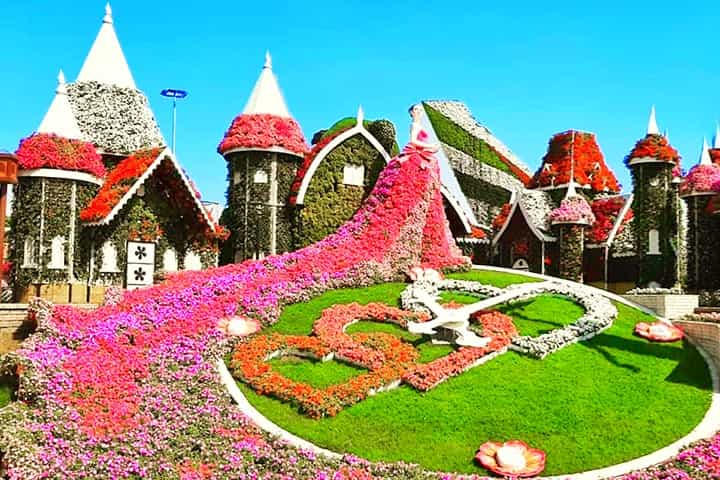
x=540, y=235
x=166, y=153
x=358, y=129
x=257, y=149
x=619, y=221
x=641, y=160
x=562, y=185
x=456, y=206
x=62, y=174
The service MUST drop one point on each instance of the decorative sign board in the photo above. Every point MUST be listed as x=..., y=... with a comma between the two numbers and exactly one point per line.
x=140, y=264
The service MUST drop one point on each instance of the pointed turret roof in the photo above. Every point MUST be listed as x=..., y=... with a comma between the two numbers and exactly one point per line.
x=716, y=140
x=59, y=119
x=106, y=62
x=652, y=128
x=575, y=157
x=266, y=96
x=705, y=154
x=265, y=123
x=654, y=147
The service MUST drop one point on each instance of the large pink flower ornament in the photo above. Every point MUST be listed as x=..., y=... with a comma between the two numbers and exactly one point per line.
x=513, y=458
x=238, y=326
x=659, y=331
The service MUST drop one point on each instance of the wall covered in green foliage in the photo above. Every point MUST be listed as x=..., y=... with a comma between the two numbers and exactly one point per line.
x=328, y=202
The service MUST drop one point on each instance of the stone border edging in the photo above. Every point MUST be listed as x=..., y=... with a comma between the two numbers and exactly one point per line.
x=261, y=421
x=709, y=425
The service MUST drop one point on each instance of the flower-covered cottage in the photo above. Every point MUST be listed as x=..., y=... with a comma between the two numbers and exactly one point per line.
x=100, y=200
x=572, y=220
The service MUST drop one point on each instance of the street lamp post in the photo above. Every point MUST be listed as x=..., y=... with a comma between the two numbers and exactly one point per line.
x=175, y=95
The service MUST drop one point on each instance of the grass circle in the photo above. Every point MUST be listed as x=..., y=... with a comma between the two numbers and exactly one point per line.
x=590, y=405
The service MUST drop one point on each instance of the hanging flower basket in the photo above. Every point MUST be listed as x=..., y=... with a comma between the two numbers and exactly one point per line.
x=659, y=331
x=513, y=458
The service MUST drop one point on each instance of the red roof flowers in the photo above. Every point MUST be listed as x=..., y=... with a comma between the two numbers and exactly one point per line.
x=580, y=148
x=263, y=131
x=606, y=211
x=118, y=182
x=46, y=150
x=654, y=146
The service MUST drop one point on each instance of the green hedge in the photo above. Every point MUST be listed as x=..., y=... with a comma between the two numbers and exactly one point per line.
x=450, y=133
x=328, y=203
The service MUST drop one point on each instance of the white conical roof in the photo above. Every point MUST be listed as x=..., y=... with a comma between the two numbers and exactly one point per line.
x=705, y=154
x=59, y=118
x=106, y=62
x=266, y=96
x=652, y=128
x=716, y=141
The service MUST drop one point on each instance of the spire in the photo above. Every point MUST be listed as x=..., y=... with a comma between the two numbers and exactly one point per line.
x=59, y=119
x=266, y=96
x=652, y=128
x=106, y=62
x=705, y=154
x=666, y=134
x=716, y=140
x=360, y=115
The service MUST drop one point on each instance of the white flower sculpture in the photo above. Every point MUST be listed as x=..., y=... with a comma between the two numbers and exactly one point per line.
x=423, y=295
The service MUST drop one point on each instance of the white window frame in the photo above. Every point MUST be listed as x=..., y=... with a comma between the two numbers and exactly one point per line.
x=354, y=175
x=654, y=242
x=58, y=261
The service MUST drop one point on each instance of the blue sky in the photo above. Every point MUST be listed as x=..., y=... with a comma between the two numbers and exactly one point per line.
x=526, y=70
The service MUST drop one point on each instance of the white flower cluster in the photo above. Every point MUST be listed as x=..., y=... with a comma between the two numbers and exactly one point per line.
x=459, y=113
x=538, y=204
x=116, y=120
x=599, y=315
x=468, y=165
x=599, y=311
x=656, y=291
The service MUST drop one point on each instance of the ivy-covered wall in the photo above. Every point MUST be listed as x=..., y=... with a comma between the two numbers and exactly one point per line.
x=55, y=216
x=249, y=207
x=328, y=202
x=703, y=257
x=154, y=217
x=655, y=206
x=571, y=238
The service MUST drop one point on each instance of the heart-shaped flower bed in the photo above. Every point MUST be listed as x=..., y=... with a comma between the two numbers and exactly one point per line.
x=388, y=358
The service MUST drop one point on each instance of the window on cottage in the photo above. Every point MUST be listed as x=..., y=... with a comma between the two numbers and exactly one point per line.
x=57, y=252
x=109, y=258
x=30, y=256
x=354, y=175
x=653, y=242
x=260, y=177
x=237, y=176
x=192, y=261
x=170, y=263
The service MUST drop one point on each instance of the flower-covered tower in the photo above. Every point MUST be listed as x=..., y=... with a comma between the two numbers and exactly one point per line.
x=703, y=234
x=654, y=164
x=574, y=158
x=263, y=148
x=59, y=171
x=569, y=222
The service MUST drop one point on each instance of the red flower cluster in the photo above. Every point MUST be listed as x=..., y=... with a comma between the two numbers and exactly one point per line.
x=248, y=362
x=521, y=248
x=262, y=130
x=308, y=160
x=104, y=388
x=582, y=149
x=477, y=232
x=606, y=211
x=47, y=150
x=118, y=182
x=715, y=155
x=495, y=325
x=654, y=146
x=501, y=217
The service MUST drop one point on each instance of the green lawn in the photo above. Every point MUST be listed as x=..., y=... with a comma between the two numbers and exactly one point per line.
x=6, y=390
x=590, y=405
x=313, y=372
